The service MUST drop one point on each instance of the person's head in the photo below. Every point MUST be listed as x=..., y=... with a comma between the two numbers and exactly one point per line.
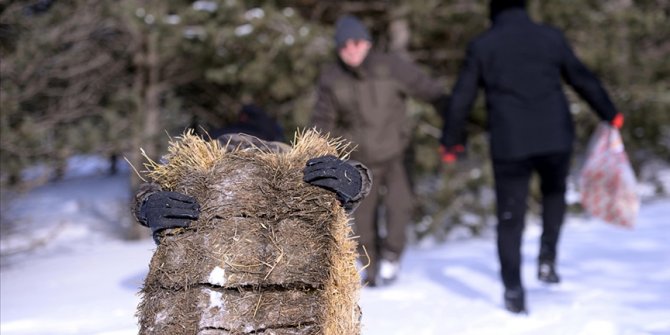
x=352, y=40
x=498, y=6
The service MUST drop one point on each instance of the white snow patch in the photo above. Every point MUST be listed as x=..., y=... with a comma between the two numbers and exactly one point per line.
x=217, y=276
x=244, y=30
x=288, y=12
x=215, y=299
x=254, y=13
x=206, y=6
x=600, y=327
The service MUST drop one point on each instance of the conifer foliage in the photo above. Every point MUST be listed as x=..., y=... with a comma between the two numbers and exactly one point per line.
x=109, y=78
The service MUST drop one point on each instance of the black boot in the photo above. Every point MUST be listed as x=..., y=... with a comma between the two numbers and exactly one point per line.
x=546, y=272
x=515, y=300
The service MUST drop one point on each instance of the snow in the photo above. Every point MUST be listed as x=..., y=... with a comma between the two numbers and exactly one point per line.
x=215, y=299
x=65, y=270
x=217, y=276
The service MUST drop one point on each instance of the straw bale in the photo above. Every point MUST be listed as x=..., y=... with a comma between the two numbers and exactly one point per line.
x=233, y=311
x=270, y=254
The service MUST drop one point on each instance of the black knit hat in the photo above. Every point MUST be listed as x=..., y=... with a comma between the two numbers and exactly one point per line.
x=498, y=6
x=349, y=27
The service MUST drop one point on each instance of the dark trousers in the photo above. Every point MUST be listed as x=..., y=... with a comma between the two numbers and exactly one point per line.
x=390, y=177
x=512, y=182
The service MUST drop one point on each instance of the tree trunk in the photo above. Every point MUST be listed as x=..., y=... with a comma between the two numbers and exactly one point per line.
x=136, y=231
x=399, y=34
x=148, y=90
x=152, y=94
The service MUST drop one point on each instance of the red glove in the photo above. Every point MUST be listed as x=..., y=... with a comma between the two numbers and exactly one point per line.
x=450, y=155
x=617, y=121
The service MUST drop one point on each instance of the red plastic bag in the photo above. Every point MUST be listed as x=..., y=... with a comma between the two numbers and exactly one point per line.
x=607, y=181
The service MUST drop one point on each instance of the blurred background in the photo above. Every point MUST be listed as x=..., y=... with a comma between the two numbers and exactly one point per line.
x=88, y=78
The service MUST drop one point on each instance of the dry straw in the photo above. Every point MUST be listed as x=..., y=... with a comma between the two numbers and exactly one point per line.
x=270, y=254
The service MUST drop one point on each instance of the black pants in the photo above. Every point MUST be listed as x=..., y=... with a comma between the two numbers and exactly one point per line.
x=512, y=182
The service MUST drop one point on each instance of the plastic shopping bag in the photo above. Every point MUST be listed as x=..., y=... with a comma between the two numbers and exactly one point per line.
x=607, y=181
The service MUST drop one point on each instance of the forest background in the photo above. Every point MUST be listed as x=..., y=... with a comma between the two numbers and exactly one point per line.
x=106, y=78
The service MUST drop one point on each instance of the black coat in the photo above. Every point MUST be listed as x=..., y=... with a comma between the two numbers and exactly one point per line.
x=253, y=121
x=520, y=65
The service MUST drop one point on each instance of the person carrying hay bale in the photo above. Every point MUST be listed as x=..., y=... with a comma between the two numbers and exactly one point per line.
x=253, y=237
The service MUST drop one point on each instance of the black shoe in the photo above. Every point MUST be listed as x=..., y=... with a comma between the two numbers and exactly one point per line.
x=546, y=273
x=515, y=301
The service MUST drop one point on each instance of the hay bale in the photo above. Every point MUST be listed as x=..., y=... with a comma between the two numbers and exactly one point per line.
x=270, y=253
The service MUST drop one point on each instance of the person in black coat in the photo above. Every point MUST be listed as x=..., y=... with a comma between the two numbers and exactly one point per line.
x=520, y=65
x=253, y=120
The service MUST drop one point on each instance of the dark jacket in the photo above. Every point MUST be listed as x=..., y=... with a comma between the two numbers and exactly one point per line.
x=254, y=121
x=520, y=65
x=367, y=105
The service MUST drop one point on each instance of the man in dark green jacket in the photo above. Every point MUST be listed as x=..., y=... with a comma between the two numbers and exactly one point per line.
x=362, y=98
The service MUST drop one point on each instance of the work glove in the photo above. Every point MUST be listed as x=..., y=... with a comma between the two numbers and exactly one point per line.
x=617, y=121
x=164, y=210
x=335, y=175
x=451, y=154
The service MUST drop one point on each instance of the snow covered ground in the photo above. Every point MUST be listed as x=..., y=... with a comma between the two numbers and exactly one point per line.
x=65, y=271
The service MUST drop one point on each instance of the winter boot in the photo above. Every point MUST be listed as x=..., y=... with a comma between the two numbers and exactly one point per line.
x=515, y=300
x=546, y=272
x=388, y=271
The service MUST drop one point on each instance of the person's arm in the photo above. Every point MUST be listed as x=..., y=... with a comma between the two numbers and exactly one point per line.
x=351, y=181
x=460, y=103
x=160, y=210
x=586, y=84
x=366, y=184
x=143, y=193
x=324, y=114
x=415, y=82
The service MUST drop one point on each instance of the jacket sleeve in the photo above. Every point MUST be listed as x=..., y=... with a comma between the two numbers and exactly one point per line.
x=586, y=84
x=141, y=196
x=324, y=114
x=415, y=81
x=366, y=185
x=462, y=98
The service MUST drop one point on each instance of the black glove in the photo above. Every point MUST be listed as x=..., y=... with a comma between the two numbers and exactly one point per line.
x=334, y=175
x=163, y=210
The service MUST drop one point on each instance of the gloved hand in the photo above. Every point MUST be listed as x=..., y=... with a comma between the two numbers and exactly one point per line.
x=335, y=175
x=617, y=122
x=450, y=155
x=163, y=210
